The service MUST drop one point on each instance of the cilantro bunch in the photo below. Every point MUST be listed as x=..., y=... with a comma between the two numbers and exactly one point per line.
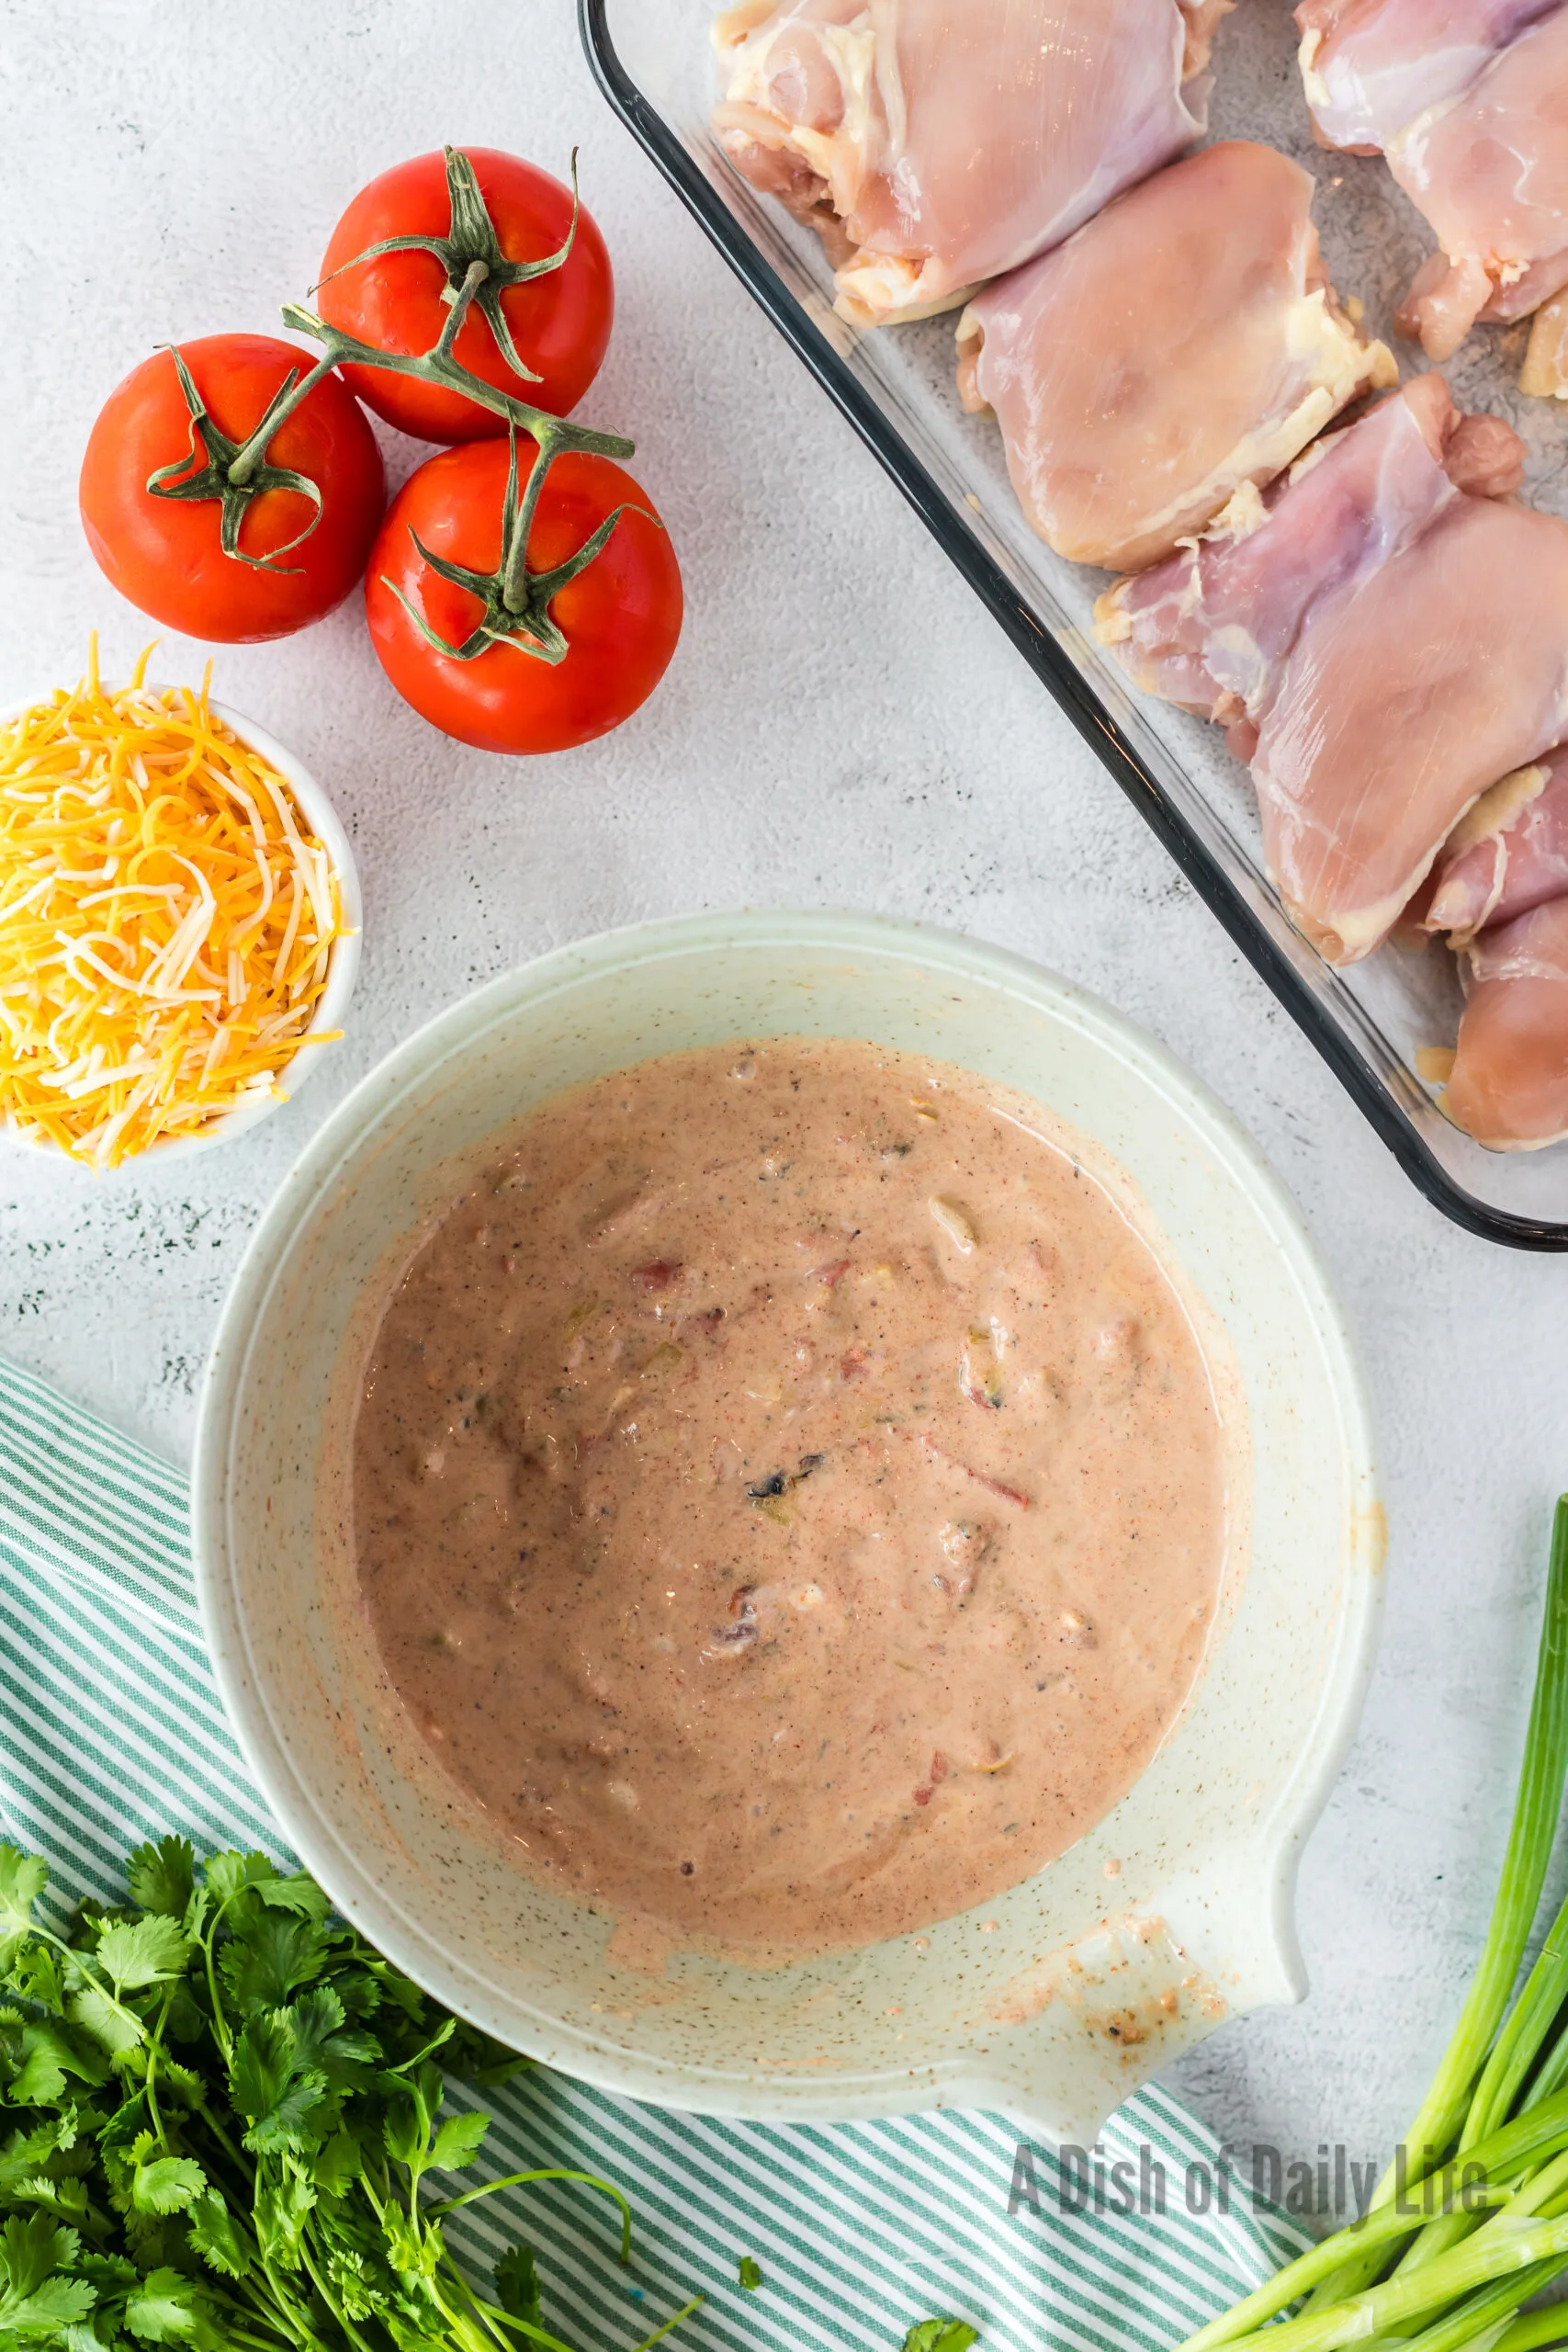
x=220, y=2108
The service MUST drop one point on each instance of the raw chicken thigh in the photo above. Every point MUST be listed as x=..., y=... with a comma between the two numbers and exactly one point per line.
x=1371, y=66
x=1469, y=101
x=1382, y=640
x=1508, y=856
x=1509, y=1082
x=1490, y=172
x=1182, y=343
x=939, y=143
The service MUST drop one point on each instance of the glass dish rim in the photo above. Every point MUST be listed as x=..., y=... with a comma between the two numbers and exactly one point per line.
x=1070, y=690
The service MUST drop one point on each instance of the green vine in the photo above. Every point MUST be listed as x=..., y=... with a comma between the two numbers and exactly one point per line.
x=471, y=246
x=477, y=273
x=220, y=479
x=516, y=601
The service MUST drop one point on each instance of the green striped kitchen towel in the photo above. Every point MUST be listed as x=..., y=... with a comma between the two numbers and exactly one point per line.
x=112, y=1732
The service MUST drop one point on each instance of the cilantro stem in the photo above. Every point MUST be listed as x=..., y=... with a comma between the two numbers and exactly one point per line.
x=295, y=2317
x=154, y=2049
x=431, y=2047
x=218, y=2021
x=458, y=2321
x=495, y=2318
x=673, y=2322
x=488, y=2312
x=97, y=1976
x=220, y=2134
x=525, y=2179
x=334, y=2306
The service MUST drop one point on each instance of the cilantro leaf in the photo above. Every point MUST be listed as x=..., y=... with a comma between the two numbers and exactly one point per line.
x=409, y=2249
x=284, y=2124
x=403, y=2127
x=300, y=1894
x=751, y=2274
x=67, y=2197
x=517, y=2284
x=122, y=2137
x=25, y=2151
x=161, y=1877
x=23, y=1878
x=35, y=1972
x=227, y=1874
x=269, y=1958
x=49, y=2055
x=215, y=2235
x=114, y=2028
x=456, y=2142
x=165, y=2308
x=181, y=2083
x=285, y=2201
x=940, y=2335
x=56, y=2304
x=269, y=2087
x=402, y=1990
x=340, y=2164
x=143, y=1952
x=316, y=2021
x=34, y=2300
x=476, y=2058
x=263, y=2062
x=167, y=2186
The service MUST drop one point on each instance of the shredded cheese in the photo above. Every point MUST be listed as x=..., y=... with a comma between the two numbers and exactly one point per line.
x=167, y=919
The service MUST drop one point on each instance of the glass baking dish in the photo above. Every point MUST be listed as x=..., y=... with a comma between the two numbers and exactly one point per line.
x=654, y=64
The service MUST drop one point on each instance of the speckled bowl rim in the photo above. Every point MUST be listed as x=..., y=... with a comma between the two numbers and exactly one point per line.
x=350, y=1877
x=343, y=963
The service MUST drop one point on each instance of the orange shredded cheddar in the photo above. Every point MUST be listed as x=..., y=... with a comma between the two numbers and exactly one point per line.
x=167, y=919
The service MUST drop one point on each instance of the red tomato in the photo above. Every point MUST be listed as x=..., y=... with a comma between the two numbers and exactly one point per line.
x=560, y=323
x=621, y=617
x=165, y=553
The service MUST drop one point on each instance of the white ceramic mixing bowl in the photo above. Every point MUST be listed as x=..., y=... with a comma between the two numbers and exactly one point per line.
x=1051, y=2004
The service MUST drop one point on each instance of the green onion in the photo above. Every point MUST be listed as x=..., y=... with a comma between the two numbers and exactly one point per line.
x=1495, y=2252
x=1492, y=2133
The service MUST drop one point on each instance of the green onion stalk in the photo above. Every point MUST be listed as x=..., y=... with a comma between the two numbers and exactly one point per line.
x=1470, y=2220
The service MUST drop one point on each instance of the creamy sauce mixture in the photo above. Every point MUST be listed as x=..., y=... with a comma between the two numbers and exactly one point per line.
x=789, y=1495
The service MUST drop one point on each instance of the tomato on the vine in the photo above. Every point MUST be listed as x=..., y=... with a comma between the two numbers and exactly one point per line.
x=157, y=506
x=445, y=212
x=561, y=617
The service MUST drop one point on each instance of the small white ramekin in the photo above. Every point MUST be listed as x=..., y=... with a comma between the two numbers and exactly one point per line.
x=343, y=966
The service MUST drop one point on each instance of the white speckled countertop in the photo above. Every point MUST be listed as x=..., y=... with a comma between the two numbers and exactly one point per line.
x=842, y=724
